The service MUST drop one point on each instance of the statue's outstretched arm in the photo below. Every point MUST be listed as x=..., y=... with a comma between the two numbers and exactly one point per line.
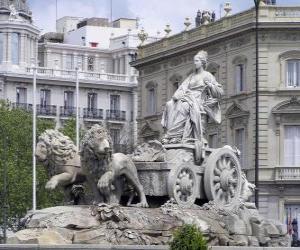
x=60, y=179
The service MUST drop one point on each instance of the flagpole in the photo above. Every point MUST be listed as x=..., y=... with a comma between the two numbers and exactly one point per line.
x=34, y=140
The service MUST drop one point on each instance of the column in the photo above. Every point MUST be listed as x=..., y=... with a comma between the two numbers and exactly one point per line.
x=134, y=117
x=8, y=48
x=4, y=48
x=85, y=64
x=127, y=66
x=122, y=64
x=63, y=60
x=115, y=66
x=75, y=60
x=22, y=50
x=96, y=64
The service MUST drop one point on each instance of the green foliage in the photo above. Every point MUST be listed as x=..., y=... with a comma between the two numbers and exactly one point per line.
x=188, y=237
x=69, y=129
x=16, y=157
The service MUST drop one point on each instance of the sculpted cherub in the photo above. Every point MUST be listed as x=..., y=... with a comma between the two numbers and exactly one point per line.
x=108, y=174
x=58, y=154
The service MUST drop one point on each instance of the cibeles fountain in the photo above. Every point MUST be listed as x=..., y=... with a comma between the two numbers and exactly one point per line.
x=140, y=199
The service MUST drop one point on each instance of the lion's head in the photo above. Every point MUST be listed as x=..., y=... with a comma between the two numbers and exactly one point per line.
x=96, y=142
x=55, y=148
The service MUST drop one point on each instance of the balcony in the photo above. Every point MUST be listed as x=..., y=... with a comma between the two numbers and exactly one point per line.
x=67, y=111
x=115, y=115
x=83, y=75
x=46, y=110
x=96, y=114
x=121, y=148
x=287, y=174
x=24, y=106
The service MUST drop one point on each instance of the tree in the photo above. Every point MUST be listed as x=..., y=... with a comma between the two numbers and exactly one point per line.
x=16, y=158
x=188, y=237
x=69, y=129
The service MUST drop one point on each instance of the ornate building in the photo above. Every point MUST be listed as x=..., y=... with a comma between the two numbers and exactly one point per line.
x=100, y=50
x=230, y=43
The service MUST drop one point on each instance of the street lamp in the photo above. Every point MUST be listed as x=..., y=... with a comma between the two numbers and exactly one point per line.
x=77, y=105
x=33, y=65
x=256, y=2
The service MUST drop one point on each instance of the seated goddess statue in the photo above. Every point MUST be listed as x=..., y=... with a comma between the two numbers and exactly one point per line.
x=196, y=98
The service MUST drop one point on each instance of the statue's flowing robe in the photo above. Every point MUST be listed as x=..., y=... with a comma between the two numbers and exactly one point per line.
x=195, y=98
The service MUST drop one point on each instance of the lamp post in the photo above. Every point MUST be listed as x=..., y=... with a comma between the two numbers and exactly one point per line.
x=77, y=106
x=34, y=137
x=257, y=2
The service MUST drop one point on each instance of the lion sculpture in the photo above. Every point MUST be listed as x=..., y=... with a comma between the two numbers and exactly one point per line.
x=58, y=154
x=108, y=174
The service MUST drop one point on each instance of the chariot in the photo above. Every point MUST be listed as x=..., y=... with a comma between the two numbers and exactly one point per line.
x=194, y=171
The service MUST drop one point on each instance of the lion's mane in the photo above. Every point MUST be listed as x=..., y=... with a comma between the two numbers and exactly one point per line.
x=60, y=148
x=91, y=140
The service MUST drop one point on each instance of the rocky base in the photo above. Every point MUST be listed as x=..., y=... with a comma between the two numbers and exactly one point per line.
x=111, y=224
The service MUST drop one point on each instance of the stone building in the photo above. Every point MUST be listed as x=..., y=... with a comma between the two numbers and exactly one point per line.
x=101, y=51
x=230, y=43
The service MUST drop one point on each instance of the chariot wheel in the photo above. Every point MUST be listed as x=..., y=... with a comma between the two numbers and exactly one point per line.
x=182, y=185
x=223, y=179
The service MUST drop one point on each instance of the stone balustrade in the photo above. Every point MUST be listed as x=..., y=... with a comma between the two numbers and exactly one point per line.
x=223, y=25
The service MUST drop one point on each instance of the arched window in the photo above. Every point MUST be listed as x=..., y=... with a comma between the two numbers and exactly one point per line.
x=290, y=69
x=214, y=69
x=151, y=98
x=175, y=81
x=240, y=65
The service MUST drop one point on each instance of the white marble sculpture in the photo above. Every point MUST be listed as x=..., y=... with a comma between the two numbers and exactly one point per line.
x=58, y=154
x=14, y=14
x=197, y=96
x=108, y=174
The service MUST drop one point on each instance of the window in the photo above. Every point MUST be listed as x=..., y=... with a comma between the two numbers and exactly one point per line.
x=175, y=86
x=291, y=218
x=68, y=99
x=91, y=62
x=292, y=145
x=213, y=141
x=80, y=62
x=115, y=102
x=15, y=47
x=45, y=97
x=93, y=44
x=1, y=47
x=240, y=143
x=69, y=62
x=115, y=136
x=240, y=78
x=151, y=101
x=293, y=73
x=21, y=95
x=92, y=101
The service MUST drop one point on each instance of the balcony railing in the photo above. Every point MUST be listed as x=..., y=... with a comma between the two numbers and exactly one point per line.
x=116, y=115
x=67, y=111
x=92, y=113
x=287, y=174
x=24, y=106
x=46, y=110
x=83, y=75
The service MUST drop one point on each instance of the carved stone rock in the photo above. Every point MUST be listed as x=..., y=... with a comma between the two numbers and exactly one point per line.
x=112, y=224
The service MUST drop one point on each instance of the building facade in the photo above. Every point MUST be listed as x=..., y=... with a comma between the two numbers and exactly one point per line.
x=100, y=51
x=230, y=43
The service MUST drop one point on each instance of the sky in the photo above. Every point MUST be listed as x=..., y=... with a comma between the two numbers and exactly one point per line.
x=153, y=14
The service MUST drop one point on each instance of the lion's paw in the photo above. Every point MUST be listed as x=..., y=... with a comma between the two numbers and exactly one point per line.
x=143, y=204
x=52, y=184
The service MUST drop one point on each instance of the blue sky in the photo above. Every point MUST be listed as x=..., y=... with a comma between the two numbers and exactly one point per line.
x=153, y=14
